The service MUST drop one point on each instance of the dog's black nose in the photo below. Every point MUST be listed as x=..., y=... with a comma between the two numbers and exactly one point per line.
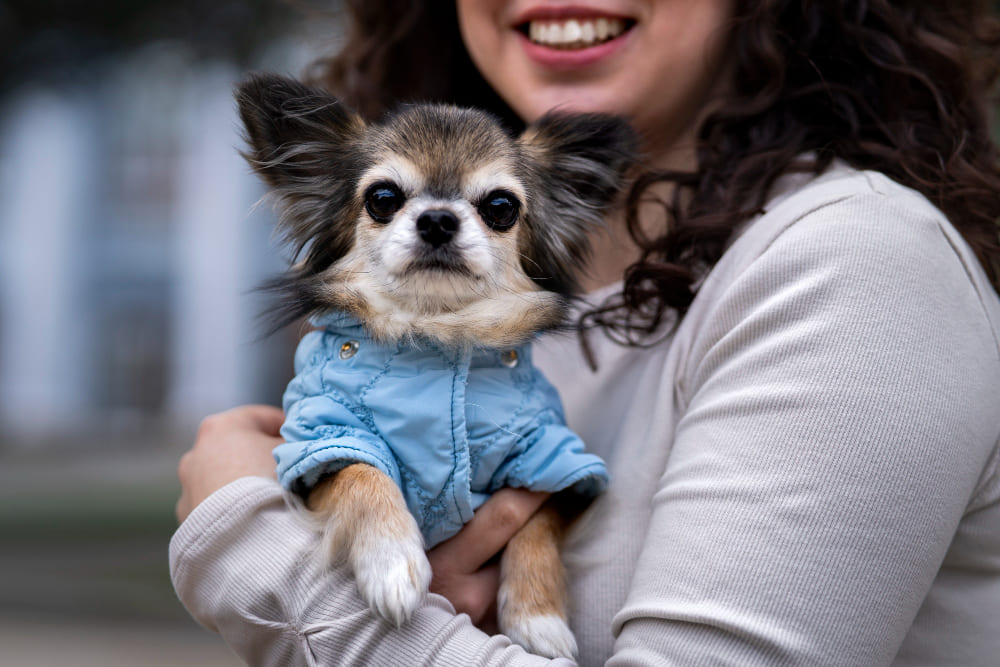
x=437, y=227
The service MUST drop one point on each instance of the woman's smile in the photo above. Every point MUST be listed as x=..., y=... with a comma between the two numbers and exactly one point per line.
x=566, y=37
x=652, y=61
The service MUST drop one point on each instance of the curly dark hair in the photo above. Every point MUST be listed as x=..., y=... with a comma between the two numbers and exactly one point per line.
x=904, y=87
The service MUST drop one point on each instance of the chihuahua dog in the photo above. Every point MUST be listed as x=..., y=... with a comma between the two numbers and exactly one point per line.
x=430, y=248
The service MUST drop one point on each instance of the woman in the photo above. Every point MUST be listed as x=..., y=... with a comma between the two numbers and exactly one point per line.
x=796, y=333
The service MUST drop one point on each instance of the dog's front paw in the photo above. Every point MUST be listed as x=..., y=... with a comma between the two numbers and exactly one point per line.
x=547, y=635
x=367, y=523
x=392, y=573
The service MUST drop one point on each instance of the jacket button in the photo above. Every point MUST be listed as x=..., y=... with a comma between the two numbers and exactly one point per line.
x=349, y=349
x=509, y=358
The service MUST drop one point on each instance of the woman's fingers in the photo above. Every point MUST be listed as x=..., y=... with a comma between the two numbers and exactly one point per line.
x=461, y=567
x=474, y=594
x=262, y=419
x=494, y=523
x=229, y=445
x=266, y=417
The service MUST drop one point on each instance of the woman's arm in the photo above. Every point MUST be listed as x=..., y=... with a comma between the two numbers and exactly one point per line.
x=245, y=566
x=840, y=413
x=229, y=446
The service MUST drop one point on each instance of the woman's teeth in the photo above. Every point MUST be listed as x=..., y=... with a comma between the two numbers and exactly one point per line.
x=574, y=33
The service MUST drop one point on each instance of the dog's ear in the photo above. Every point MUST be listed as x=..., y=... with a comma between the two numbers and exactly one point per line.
x=580, y=162
x=309, y=149
x=292, y=129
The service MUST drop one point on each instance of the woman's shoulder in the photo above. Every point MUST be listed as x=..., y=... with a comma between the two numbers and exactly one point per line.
x=840, y=182
x=860, y=209
x=865, y=229
x=851, y=255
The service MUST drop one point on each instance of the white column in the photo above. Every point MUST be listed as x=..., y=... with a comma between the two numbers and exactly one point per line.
x=47, y=182
x=213, y=354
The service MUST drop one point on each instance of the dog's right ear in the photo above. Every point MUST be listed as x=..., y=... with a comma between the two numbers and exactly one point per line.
x=295, y=132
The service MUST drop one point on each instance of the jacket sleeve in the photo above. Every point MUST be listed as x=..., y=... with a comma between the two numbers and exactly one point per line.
x=245, y=566
x=323, y=435
x=840, y=412
x=323, y=428
x=554, y=459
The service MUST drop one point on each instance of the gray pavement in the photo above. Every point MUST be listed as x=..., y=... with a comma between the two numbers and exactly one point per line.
x=84, y=578
x=88, y=644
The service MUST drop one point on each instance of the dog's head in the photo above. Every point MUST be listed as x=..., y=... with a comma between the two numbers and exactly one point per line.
x=434, y=222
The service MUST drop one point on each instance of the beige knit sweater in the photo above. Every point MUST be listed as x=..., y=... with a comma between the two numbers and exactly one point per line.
x=805, y=472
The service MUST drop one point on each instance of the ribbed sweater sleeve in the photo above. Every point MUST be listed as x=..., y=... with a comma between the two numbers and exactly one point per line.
x=832, y=434
x=246, y=568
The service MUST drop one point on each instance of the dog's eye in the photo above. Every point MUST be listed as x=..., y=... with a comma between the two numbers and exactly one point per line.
x=499, y=210
x=382, y=200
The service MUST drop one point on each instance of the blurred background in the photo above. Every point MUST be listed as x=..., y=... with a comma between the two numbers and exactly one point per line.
x=129, y=250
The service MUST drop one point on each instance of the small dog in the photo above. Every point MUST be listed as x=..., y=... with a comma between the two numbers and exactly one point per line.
x=431, y=247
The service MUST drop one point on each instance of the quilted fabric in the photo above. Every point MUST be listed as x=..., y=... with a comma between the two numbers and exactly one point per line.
x=449, y=426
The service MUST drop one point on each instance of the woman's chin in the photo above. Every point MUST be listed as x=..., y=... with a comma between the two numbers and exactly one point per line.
x=570, y=99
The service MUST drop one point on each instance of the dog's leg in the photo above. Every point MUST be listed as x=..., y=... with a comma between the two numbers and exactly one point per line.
x=368, y=523
x=532, y=599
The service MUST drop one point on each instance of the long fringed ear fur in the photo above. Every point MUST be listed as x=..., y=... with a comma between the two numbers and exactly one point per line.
x=287, y=123
x=308, y=148
x=581, y=161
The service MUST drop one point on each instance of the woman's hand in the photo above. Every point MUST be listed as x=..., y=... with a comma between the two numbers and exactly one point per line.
x=229, y=445
x=463, y=566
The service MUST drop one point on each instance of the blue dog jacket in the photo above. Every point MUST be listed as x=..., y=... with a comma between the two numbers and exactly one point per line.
x=449, y=426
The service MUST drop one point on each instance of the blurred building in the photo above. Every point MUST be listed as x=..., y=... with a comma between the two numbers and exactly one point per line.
x=130, y=246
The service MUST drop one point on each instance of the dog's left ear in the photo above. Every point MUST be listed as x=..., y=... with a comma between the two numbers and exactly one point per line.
x=580, y=162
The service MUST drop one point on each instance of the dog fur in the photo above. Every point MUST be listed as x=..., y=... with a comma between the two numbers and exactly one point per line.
x=443, y=264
